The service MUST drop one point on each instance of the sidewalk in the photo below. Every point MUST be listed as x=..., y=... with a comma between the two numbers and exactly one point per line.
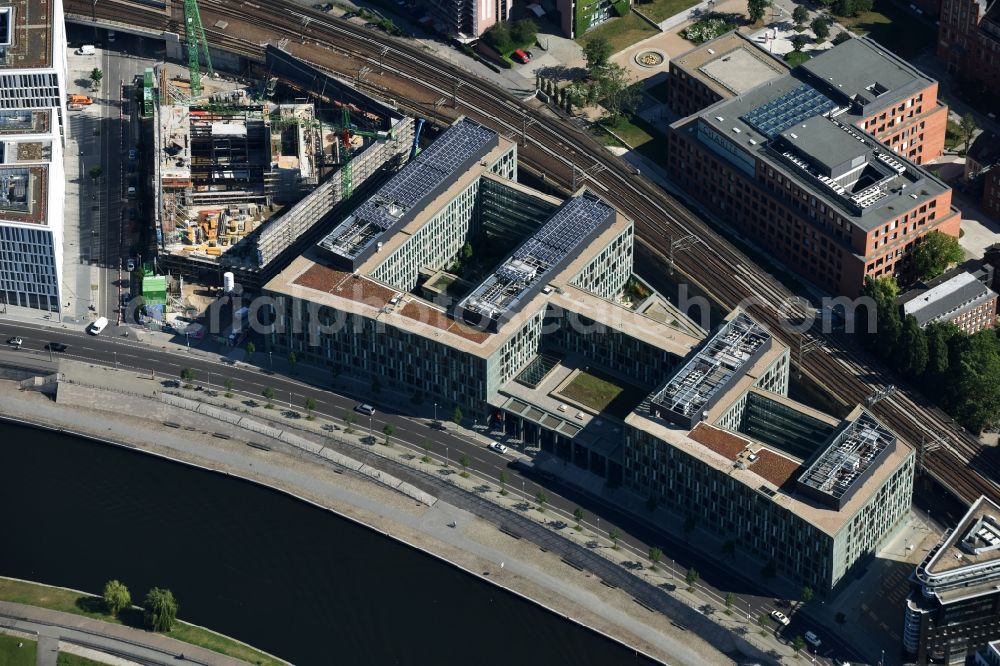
x=141, y=646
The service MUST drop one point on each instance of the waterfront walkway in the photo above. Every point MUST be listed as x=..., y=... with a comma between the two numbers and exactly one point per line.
x=133, y=644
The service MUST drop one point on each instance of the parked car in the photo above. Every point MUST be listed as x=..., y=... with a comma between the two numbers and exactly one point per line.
x=99, y=325
x=130, y=264
x=133, y=154
x=780, y=618
x=813, y=640
x=111, y=35
x=323, y=7
x=349, y=15
x=17, y=342
x=365, y=408
x=521, y=57
x=56, y=347
x=497, y=447
x=372, y=26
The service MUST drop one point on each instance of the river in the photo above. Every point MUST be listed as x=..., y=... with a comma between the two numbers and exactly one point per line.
x=258, y=565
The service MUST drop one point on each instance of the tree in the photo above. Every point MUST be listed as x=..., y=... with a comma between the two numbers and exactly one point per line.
x=620, y=96
x=798, y=643
x=116, y=597
x=938, y=335
x=388, y=430
x=821, y=28
x=979, y=381
x=96, y=75
x=764, y=620
x=799, y=42
x=228, y=383
x=655, y=554
x=840, y=619
x=614, y=535
x=578, y=516
x=456, y=415
x=161, y=609
x=841, y=37
x=730, y=600
x=969, y=127
x=913, y=342
x=498, y=36
x=756, y=9
x=268, y=394
x=935, y=253
x=800, y=15
x=523, y=32
x=466, y=251
x=95, y=172
x=250, y=349
x=851, y=8
x=596, y=52
x=187, y=375
x=503, y=482
x=292, y=359
x=464, y=462
x=541, y=498
x=807, y=594
x=691, y=577
x=310, y=405
x=349, y=420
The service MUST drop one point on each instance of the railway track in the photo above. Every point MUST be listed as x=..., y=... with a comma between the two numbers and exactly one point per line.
x=566, y=155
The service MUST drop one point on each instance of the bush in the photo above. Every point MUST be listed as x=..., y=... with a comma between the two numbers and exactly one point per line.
x=841, y=37
x=621, y=7
x=708, y=28
x=821, y=27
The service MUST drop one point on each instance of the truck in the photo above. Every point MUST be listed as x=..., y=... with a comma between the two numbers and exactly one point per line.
x=80, y=99
x=86, y=49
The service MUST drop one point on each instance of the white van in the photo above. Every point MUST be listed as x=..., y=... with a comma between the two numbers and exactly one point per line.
x=86, y=49
x=99, y=325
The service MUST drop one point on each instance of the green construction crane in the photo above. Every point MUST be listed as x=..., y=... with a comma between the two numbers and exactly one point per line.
x=194, y=34
x=345, y=129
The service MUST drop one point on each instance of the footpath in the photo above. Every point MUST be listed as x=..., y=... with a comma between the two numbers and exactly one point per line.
x=578, y=572
x=56, y=630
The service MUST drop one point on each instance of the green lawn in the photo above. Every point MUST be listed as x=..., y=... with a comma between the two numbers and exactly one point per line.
x=593, y=391
x=89, y=606
x=74, y=660
x=796, y=58
x=660, y=10
x=952, y=135
x=11, y=655
x=621, y=32
x=659, y=91
x=895, y=28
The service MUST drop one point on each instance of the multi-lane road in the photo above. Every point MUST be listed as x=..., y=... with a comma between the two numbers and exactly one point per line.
x=410, y=430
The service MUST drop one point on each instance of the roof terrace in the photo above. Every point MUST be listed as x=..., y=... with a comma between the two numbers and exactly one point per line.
x=698, y=383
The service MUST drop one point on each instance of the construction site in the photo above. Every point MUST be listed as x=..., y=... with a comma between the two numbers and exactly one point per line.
x=247, y=173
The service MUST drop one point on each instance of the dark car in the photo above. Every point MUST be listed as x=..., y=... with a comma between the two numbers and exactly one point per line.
x=372, y=26
x=323, y=7
x=349, y=15
x=56, y=347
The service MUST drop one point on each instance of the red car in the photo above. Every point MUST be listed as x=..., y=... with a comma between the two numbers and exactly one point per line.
x=521, y=57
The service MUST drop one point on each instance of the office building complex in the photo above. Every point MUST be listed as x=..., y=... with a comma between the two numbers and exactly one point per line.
x=459, y=286
x=954, y=607
x=803, y=493
x=982, y=171
x=969, y=41
x=961, y=296
x=32, y=130
x=719, y=69
x=822, y=165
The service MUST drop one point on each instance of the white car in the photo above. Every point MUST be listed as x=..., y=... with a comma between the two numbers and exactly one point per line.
x=497, y=447
x=780, y=618
x=16, y=342
x=365, y=409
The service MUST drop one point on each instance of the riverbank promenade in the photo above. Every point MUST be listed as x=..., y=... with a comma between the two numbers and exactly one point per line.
x=53, y=627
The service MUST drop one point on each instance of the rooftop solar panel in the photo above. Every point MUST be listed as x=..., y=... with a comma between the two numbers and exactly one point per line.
x=793, y=107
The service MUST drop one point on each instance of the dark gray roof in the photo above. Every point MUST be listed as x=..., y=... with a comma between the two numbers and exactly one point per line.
x=985, y=149
x=860, y=68
x=942, y=300
x=825, y=143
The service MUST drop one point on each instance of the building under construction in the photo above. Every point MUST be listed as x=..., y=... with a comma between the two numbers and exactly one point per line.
x=247, y=176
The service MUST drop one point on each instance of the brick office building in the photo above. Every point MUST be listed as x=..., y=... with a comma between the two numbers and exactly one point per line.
x=969, y=40
x=822, y=165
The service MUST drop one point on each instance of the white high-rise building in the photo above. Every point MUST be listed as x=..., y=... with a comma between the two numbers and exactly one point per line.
x=32, y=138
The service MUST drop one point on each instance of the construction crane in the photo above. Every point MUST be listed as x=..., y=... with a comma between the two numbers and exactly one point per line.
x=194, y=34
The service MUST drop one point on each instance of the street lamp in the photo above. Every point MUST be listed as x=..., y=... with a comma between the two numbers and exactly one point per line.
x=370, y=427
x=749, y=616
x=116, y=358
x=446, y=456
x=435, y=412
x=270, y=361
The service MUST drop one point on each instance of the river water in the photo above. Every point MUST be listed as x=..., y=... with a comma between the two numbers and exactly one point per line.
x=253, y=563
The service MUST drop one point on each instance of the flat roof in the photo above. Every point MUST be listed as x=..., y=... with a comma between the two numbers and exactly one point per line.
x=824, y=143
x=26, y=35
x=755, y=122
x=966, y=562
x=946, y=298
x=24, y=192
x=25, y=121
x=730, y=64
x=528, y=268
x=404, y=195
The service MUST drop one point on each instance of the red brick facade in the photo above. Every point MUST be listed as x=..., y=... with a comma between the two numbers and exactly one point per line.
x=978, y=318
x=991, y=192
x=914, y=128
x=969, y=41
x=810, y=236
